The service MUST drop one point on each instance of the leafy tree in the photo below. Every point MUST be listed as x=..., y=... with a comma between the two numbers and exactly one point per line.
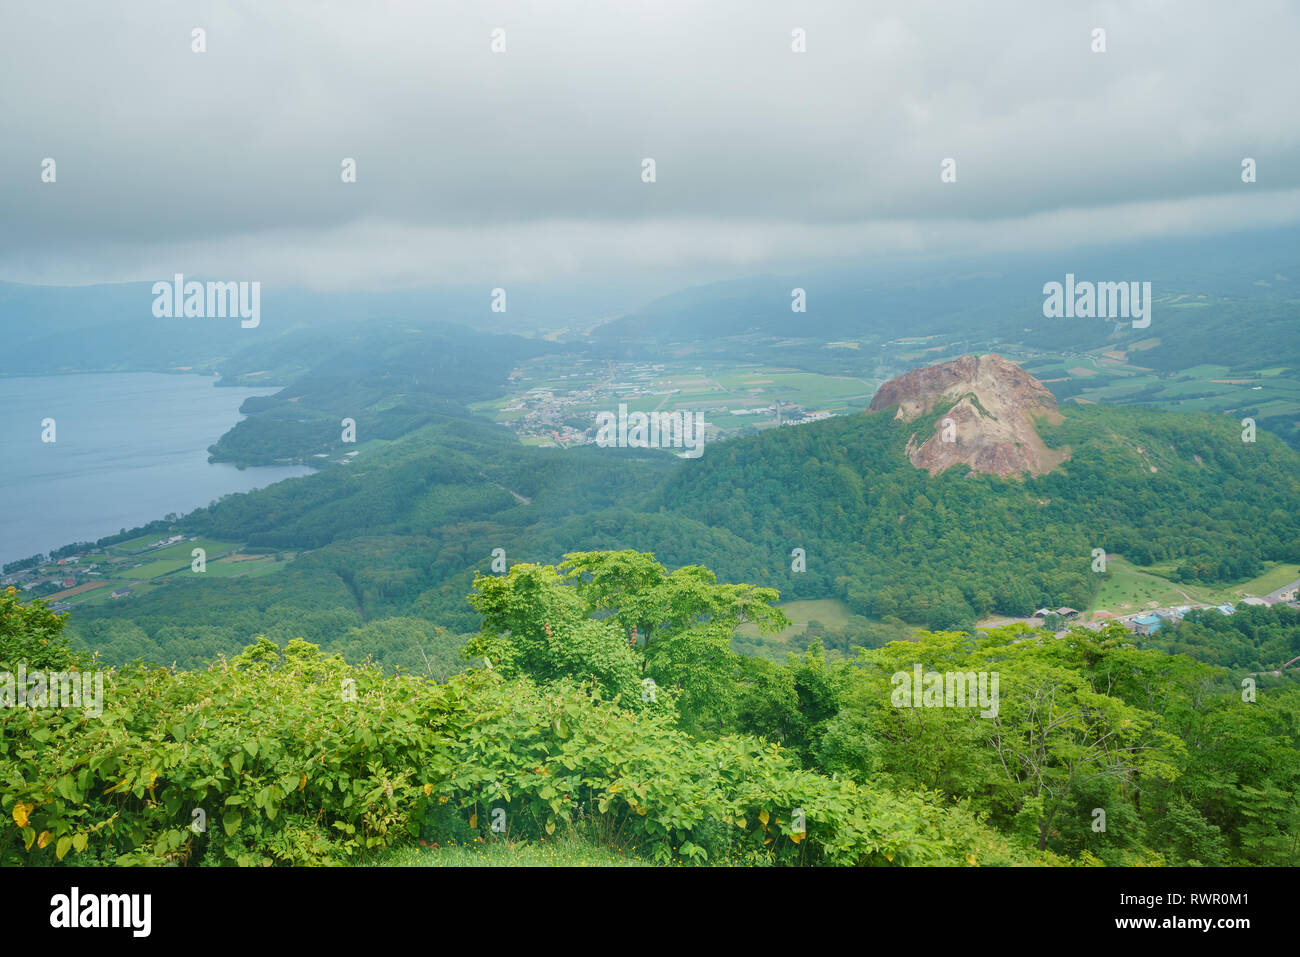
x=32, y=635
x=534, y=625
x=681, y=621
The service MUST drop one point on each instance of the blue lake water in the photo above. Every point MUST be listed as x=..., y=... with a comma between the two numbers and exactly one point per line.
x=129, y=448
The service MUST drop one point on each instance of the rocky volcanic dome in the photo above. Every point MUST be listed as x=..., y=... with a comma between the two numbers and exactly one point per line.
x=990, y=408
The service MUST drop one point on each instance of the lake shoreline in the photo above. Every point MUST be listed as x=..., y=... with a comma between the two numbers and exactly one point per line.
x=122, y=450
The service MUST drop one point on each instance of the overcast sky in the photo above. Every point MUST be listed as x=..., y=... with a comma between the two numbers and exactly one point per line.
x=526, y=165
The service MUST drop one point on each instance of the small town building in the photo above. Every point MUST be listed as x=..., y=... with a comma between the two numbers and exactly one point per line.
x=1146, y=624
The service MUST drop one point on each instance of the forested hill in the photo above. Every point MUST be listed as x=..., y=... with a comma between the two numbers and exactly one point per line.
x=894, y=540
x=382, y=553
x=389, y=377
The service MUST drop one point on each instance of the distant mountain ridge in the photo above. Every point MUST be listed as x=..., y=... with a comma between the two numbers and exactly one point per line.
x=985, y=297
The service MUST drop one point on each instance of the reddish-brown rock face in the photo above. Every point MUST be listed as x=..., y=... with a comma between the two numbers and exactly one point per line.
x=990, y=408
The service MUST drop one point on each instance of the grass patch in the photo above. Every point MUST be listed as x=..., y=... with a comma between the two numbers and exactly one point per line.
x=221, y=569
x=566, y=852
x=829, y=611
x=1271, y=580
x=1129, y=588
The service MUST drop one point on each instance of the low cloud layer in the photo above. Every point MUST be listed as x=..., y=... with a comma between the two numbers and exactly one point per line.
x=527, y=164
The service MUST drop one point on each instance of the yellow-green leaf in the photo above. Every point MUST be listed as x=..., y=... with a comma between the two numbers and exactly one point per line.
x=61, y=848
x=21, y=813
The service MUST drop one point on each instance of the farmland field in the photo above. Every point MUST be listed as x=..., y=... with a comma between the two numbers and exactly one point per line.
x=1129, y=589
x=829, y=611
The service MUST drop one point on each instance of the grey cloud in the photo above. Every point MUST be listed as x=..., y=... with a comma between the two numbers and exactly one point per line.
x=527, y=164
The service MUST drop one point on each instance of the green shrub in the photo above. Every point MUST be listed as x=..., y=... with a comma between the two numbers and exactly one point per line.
x=560, y=762
x=286, y=770
x=280, y=766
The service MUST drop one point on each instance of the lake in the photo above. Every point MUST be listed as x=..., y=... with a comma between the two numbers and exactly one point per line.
x=129, y=448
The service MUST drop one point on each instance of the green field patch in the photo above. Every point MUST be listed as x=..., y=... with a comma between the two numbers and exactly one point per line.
x=96, y=597
x=172, y=559
x=829, y=611
x=158, y=569
x=131, y=545
x=1206, y=371
x=268, y=568
x=490, y=405
x=1127, y=589
x=1116, y=390
x=1183, y=387
x=1280, y=574
x=213, y=548
x=1277, y=407
x=1279, y=386
x=221, y=569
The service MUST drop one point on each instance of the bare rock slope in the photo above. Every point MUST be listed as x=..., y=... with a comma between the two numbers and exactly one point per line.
x=991, y=407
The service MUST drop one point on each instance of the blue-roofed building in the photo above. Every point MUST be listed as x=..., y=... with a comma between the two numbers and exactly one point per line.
x=1226, y=609
x=1146, y=624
